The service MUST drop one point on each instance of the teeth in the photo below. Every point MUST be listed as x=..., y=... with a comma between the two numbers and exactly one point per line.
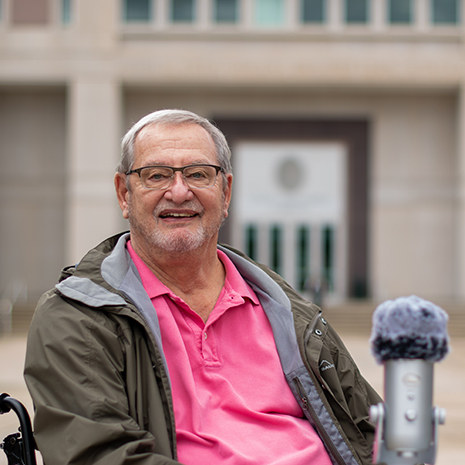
x=179, y=215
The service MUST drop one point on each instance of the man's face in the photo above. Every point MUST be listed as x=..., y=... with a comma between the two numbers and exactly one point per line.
x=177, y=219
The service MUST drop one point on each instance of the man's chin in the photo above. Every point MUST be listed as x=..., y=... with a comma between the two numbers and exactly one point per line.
x=179, y=243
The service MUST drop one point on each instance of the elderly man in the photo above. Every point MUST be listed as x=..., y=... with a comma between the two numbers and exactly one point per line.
x=162, y=347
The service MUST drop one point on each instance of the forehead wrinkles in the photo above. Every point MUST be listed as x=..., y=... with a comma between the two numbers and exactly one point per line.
x=158, y=138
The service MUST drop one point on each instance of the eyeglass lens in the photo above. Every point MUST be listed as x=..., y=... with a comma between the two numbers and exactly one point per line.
x=161, y=177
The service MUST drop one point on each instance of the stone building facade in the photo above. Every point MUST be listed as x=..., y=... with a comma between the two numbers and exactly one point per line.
x=346, y=120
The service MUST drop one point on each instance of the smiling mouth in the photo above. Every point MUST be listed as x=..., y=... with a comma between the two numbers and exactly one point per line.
x=178, y=215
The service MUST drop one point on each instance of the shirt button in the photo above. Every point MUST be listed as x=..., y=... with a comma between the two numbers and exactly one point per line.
x=205, y=335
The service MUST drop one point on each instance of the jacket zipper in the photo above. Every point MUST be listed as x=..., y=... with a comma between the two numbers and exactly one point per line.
x=312, y=417
x=140, y=319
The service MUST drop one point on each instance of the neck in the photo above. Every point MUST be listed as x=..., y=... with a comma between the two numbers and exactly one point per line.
x=196, y=276
x=188, y=269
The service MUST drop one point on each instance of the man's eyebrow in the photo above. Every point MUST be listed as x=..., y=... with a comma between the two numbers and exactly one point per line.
x=194, y=162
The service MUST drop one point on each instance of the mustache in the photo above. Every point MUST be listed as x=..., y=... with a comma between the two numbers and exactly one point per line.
x=188, y=205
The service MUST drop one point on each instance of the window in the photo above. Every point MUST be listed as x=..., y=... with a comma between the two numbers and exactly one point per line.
x=357, y=11
x=182, y=11
x=251, y=237
x=276, y=239
x=328, y=246
x=226, y=11
x=30, y=12
x=445, y=11
x=400, y=11
x=65, y=11
x=137, y=10
x=313, y=11
x=302, y=257
x=269, y=12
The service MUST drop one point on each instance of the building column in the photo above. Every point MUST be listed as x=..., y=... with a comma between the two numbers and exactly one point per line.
x=421, y=15
x=336, y=15
x=293, y=14
x=460, y=209
x=94, y=113
x=379, y=15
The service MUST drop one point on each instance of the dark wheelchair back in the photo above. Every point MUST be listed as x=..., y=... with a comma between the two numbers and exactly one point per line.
x=19, y=447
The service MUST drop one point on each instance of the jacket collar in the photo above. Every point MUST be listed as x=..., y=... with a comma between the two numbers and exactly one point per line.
x=117, y=269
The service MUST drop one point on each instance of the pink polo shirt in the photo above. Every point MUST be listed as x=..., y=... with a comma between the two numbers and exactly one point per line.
x=232, y=404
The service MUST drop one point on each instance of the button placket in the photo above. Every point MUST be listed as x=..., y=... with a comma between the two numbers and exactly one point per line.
x=208, y=347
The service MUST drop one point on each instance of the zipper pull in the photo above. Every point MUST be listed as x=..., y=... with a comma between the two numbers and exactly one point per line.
x=301, y=393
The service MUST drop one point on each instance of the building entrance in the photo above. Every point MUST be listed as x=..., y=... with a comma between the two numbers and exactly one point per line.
x=290, y=211
x=301, y=198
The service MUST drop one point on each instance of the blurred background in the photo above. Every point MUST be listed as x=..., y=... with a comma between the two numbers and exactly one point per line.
x=346, y=121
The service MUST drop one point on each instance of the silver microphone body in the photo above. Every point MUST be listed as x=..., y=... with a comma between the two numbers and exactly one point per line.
x=408, y=403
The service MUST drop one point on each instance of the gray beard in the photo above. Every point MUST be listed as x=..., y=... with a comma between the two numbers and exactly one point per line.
x=178, y=242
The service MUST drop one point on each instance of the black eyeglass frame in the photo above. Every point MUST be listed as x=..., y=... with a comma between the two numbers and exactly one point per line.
x=180, y=169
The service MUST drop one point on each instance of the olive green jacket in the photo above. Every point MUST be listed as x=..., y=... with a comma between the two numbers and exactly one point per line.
x=98, y=379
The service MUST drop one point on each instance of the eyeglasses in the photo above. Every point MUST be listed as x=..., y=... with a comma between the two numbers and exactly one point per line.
x=199, y=176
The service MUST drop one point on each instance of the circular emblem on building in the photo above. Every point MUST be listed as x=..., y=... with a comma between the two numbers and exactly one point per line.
x=290, y=173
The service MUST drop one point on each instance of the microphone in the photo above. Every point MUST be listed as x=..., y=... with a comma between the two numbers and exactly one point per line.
x=408, y=335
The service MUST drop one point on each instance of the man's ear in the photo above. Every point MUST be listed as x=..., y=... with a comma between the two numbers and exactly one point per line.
x=122, y=193
x=227, y=194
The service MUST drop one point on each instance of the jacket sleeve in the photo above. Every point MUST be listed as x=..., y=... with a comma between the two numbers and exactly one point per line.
x=75, y=373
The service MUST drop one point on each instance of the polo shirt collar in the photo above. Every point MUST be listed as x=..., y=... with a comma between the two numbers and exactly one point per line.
x=155, y=288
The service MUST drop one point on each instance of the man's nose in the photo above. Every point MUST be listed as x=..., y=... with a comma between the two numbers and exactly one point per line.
x=179, y=191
